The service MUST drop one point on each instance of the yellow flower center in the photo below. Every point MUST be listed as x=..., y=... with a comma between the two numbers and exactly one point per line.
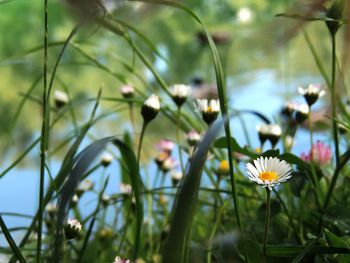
x=210, y=109
x=224, y=167
x=270, y=176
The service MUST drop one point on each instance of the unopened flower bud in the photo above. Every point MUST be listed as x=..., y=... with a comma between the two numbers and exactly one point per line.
x=150, y=108
x=72, y=228
x=271, y=132
x=176, y=177
x=127, y=91
x=301, y=113
x=209, y=109
x=311, y=93
x=179, y=93
x=193, y=138
x=223, y=168
x=106, y=159
x=61, y=98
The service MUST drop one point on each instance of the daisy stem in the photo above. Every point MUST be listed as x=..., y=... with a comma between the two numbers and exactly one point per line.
x=267, y=220
x=178, y=138
x=310, y=128
x=144, y=125
x=132, y=118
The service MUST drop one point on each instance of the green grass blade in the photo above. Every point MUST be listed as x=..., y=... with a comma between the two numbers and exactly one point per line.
x=15, y=249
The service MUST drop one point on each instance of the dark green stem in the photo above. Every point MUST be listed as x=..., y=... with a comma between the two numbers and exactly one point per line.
x=267, y=220
x=335, y=132
x=178, y=138
x=43, y=139
x=144, y=125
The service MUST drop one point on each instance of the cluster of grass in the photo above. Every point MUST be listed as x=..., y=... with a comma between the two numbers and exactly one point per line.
x=228, y=218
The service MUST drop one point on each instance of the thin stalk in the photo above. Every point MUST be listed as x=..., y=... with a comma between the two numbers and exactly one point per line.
x=178, y=138
x=267, y=220
x=144, y=125
x=335, y=131
x=44, y=138
x=334, y=101
x=310, y=128
x=132, y=118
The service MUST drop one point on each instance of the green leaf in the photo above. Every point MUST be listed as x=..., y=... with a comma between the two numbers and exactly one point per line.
x=339, y=242
x=221, y=143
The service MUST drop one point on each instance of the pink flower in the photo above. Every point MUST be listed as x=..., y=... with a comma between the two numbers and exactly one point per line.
x=166, y=146
x=319, y=154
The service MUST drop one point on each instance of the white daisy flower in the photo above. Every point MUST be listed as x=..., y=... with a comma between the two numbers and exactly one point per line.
x=311, y=93
x=179, y=93
x=268, y=171
x=61, y=98
x=209, y=109
x=120, y=260
x=150, y=108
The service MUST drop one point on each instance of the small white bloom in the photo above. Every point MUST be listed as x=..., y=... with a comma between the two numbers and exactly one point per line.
x=268, y=171
x=208, y=106
x=61, y=98
x=153, y=102
x=127, y=91
x=311, y=93
x=244, y=15
x=51, y=208
x=120, y=260
x=176, y=176
x=179, y=93
x=209, y=109
x=269, y=129
x=193, y=137
x=106, y=158
x=72, y=228
x=84, y=186
x=125, y=188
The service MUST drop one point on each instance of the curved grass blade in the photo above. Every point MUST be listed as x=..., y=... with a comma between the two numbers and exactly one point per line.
x=11, y=242
x=186, y=201
x=305, y=251
x=81, y=163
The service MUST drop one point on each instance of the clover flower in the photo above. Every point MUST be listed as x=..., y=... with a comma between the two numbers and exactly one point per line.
x=165, y=146
x=269, y=171
x=311, y=93
x=320, y=154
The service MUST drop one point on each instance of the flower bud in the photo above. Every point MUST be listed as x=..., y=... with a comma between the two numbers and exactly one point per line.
x=311, y=93
x=72, y=228
x=61, y=98
x=271, y=132
x=193, y=138
x=209, y=109
x=106, y=159
x=176, y=177
x=301, y=113
x=150, y=108
x=335, y=15
x=179, y=93
x=127, y=91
